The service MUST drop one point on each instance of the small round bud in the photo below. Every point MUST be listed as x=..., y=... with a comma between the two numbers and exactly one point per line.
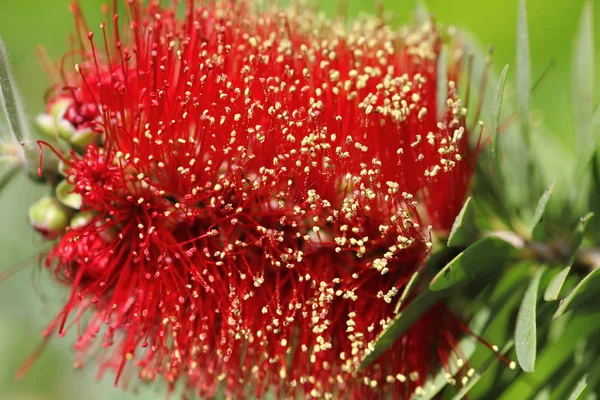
x=59, y=108
x=46, y=124
x=65, y=194
x=81, y=219
x=83, y=137
x=49, y=217
x=65, y=129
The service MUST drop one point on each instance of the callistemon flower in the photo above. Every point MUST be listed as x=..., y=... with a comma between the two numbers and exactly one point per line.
x=244, y=194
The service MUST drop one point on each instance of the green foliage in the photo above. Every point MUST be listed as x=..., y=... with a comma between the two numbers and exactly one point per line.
x=525, y=334
x=538, y=216
x=464, y=229
x=486, y=254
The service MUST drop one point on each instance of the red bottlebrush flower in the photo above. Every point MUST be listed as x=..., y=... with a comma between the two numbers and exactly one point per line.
x=255, y=189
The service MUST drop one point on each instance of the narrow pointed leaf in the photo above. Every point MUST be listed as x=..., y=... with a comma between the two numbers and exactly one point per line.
x=523, y=66
x=462, y=393
x=586, y=293
x=543, y=394
x=407, y=290
x=11, y=105
x=467, y=347
x=421, y=11
x=487, y=253
x=526, y=328
x=551, y=358
x=401, y=323
x=583, y=79
x=538, y=216
x=497, y=108
x=589, y=377
x=464, y=228
x=442, y=83
x=553, y=290
x=577, y=237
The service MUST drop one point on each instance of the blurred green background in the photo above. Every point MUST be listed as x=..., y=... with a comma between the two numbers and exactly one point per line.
x=28, y=301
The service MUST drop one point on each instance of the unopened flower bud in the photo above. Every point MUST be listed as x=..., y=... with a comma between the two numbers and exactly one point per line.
x=46, y=124
x=81, y=219
x=65, y=194
x=83, y=137
x=65, y=129
x=59, y=107
x=49, y=217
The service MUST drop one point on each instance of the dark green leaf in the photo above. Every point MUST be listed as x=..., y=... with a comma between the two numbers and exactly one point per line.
x=523, y=67
x=502, y=298
x=407, y=290
x=487, y=253
x=577, y=237
x=479, y=373
x=465, y=348
x=538, y=216
x=543, y=394
x=553, y=289
x=586, y=293
x=551, y=358
x=590, y=376
x=401, y=323
x=497, y=107
x=526, y=328
x=464, y=228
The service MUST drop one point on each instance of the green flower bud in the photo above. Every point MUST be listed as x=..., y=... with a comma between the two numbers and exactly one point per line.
x=81, y=219
x=65, y=194
x=65, y=129
x=83, y=137
x=62, y=168
x=60, y=107
x=49, y=217
x=46, y=124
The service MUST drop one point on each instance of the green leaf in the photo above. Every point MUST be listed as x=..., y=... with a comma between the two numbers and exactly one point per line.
x=485, y=254
x=551, y=358
x=543, y=394
x=404, y=320
x=464, y=228
x=582, y=384
x=577, y=237
x=538, y=216
x=523, y=68
x=526, y=328
x=583, y=80
x=442, y=83
x=11, y=105
x=497, y=107
x=407, y=290
x=421, y=12
x=462, y=393
x=586, y=293
x=466, y=347
x=556, y=284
